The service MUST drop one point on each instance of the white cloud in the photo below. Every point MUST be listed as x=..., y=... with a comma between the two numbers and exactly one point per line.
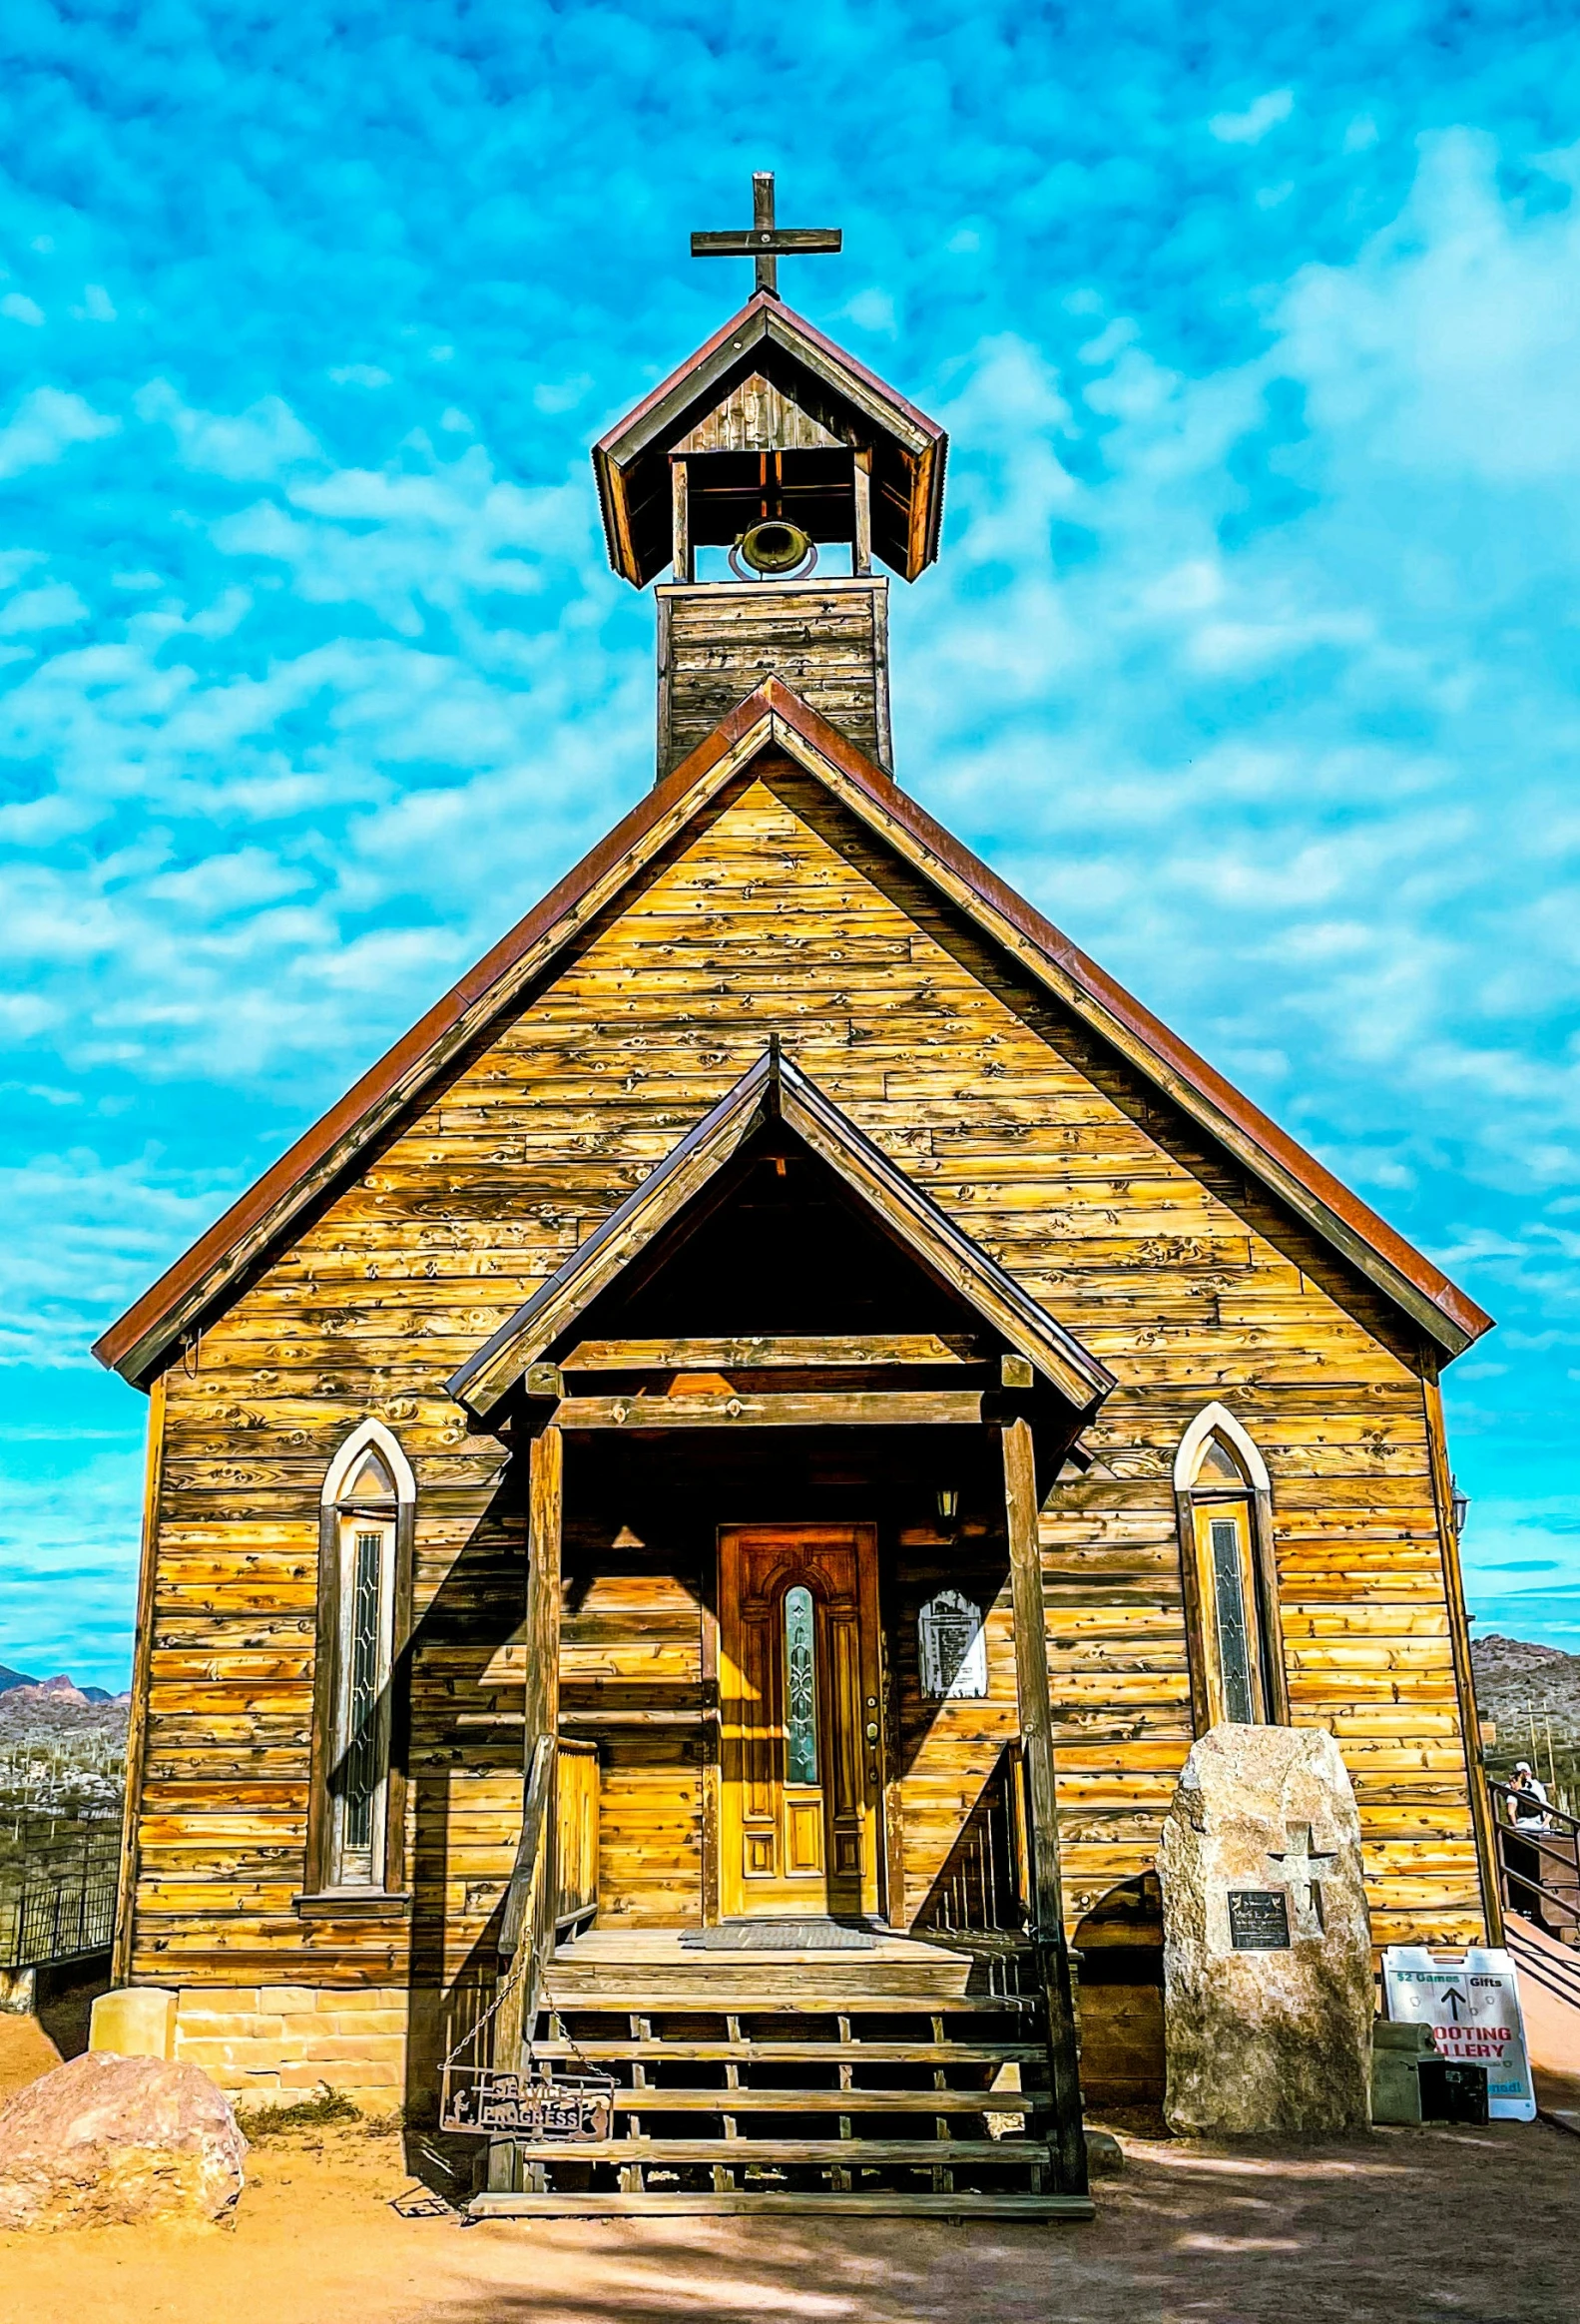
x=1251, y=126
x=96, y=1236
x=1450, y=346
x=20, y=309
x=55, y=606
x=1374, y=567
x=47, y=422
x=254, y=444
x=555, y=395
x=874, y=310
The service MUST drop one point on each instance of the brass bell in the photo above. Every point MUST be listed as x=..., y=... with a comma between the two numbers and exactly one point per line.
x=773, y=545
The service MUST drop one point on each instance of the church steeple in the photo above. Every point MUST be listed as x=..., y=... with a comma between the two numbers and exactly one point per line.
x=775, y=445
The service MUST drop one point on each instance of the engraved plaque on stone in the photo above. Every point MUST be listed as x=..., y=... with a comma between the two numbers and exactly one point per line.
x=1258, y=1920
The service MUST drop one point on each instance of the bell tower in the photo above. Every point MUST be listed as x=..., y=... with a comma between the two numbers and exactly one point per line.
x=797, y=467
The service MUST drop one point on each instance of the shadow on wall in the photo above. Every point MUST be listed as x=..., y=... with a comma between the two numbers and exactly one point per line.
x=1120, y=1989
x=65, y=1998
x=460, y=1854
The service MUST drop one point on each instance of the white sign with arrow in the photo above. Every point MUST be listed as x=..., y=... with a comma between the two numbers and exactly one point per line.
x=1473, y=2008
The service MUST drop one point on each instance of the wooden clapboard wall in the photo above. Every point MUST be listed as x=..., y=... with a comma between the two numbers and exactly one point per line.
x=783, y=915
x=717, y=644
x=948, y=1754
x=631, y=1677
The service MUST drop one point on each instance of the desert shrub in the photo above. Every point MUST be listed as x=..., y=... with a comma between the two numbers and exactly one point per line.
x=326, y=2107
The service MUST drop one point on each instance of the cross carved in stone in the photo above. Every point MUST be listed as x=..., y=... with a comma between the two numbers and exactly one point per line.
x=1303, y=1866
x=765, y=241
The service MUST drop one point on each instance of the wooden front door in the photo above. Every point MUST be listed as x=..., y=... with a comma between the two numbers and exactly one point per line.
x=800, y=1726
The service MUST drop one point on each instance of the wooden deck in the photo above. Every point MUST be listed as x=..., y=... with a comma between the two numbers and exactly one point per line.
x=632, y=1969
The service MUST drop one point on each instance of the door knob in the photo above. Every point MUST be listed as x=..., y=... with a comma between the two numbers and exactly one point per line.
x=871, y=1730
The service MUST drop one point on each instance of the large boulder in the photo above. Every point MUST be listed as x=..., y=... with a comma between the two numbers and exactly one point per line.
x=108, y=2140
x=1267, y=1952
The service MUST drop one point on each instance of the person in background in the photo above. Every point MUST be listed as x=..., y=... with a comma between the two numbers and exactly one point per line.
x=1530, y=1808
x=1526, y=1807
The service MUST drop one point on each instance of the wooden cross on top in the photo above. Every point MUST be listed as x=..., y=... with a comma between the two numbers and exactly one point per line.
x=765, y=240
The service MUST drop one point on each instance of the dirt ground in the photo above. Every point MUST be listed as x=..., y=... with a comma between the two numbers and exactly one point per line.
x=1394, y=2228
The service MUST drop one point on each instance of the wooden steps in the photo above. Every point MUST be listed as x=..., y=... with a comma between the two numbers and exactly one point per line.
x=850, y=2155
x=801, y=2053
x=910, y=2077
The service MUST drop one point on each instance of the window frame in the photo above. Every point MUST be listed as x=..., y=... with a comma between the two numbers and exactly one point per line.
x=342, y=1515
x=358, y=1523
x=1199, y=1500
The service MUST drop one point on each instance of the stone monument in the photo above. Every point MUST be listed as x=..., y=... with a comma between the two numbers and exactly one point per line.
x=1266, y=1953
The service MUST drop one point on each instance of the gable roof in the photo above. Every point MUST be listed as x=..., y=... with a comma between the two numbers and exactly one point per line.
x=855, y=406
x=773, y=1089
x=775, y=717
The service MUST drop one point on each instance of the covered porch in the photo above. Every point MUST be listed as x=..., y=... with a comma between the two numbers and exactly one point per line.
x=783, y=1677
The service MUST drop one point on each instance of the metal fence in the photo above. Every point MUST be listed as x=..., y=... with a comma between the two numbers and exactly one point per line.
x=63, y=1905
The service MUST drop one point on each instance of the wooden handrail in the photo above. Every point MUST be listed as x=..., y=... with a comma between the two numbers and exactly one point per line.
x=526, y=1934
x=554, y=1880
x=1555, y=1847
x=538, y=1792
x=1512, y=1794
x=1067, y=2142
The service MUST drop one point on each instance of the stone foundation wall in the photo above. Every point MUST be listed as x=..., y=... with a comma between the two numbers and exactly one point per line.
x=275, y=2044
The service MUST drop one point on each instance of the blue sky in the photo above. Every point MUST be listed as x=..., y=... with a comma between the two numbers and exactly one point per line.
x=1251, y=656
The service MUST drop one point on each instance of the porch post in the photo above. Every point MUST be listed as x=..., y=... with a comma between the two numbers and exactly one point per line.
x=545, y=1499
x=1036, y=1746
x=534, y=1875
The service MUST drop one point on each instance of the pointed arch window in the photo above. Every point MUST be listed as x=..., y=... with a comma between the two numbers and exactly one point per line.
x=1223, y=1497
x=355, y=1840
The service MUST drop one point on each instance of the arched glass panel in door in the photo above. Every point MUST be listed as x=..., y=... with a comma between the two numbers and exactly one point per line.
x=800, y=1688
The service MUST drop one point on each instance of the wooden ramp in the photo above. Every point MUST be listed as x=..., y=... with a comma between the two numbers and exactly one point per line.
x=912, y=2077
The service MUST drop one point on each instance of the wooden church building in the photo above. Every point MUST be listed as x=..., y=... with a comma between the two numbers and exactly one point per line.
x=692, y=1521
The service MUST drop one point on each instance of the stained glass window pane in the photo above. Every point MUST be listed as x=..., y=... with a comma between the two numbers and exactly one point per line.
x=800, y=1689
x=372, y=1481
x=362, y=1724
x=1234, y=1644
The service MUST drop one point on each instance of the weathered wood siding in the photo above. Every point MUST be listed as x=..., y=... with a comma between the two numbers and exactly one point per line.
x=827, y=639
x=629, y=1651
x=950, y=1753
x=1186, y=1281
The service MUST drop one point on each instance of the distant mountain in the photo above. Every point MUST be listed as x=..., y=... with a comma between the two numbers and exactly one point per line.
x=59, y=1687
x=60, y=1712
x=1519, y=1683
x=58, y=1706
